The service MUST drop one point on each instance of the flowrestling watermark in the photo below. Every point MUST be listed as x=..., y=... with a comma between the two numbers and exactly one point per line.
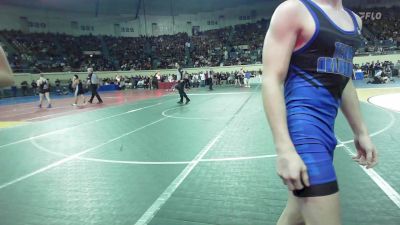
x=370, y=15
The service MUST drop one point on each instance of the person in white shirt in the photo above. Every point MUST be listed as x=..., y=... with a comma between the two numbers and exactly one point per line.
x=247, y=78
x=202, y=79
x=239, y=78
x=195, y=80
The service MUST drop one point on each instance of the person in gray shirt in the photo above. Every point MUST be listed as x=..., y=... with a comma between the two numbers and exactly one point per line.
x=93, y=83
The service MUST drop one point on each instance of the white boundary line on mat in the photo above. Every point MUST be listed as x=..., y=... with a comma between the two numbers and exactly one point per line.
x=382, y=184
x=75, y=156
x=153, y=209
x=78, y=125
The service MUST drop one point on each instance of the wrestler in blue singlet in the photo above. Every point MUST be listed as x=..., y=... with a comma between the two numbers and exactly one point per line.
x=317, y=76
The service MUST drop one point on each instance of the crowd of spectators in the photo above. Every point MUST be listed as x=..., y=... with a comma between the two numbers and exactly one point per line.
x=379, y=72
x=382, y=33
x=193, y=80
x=232, y=45
x=47, y=52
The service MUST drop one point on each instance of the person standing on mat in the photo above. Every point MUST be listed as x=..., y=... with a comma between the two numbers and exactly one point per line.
x=307, y=66
x=210, y=80
x=79, y=92
x=44, y=91
x=93, y=83
x=181, y=88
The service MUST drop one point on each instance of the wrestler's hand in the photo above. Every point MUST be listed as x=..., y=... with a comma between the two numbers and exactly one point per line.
x=292, y=170
x=367, y=154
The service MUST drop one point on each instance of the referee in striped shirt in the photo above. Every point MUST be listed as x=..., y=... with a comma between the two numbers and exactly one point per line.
x=93, y=82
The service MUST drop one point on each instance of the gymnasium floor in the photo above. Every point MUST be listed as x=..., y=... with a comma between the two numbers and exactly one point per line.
x=142, y=159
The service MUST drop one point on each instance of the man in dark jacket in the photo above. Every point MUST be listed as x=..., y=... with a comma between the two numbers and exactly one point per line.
x=24, y=87
x=34, y=87
x=181, y=88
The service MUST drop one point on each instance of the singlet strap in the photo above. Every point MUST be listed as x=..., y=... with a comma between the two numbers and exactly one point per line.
x=325, y=19
x=353, y=17
x=314, y=15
